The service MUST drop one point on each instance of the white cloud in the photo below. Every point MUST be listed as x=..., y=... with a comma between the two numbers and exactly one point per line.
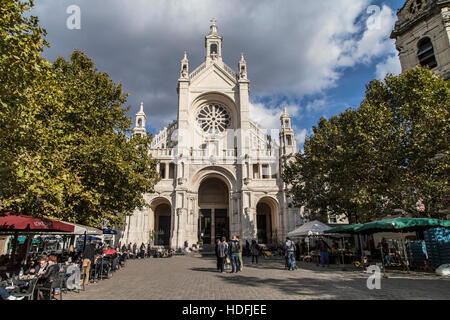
x=269, y=117
x=390, y=65
x=375, y=41
x=293, y=48
x=301, y=136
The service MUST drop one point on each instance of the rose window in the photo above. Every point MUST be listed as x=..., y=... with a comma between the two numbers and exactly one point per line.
x=213, y=119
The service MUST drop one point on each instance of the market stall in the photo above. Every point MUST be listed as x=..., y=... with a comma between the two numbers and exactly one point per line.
x=310, y=232
x=404, y=252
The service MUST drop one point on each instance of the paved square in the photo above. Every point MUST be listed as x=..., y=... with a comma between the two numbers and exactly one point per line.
x=195, y=278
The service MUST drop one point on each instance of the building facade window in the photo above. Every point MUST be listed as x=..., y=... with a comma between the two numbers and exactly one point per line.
x=425, y=53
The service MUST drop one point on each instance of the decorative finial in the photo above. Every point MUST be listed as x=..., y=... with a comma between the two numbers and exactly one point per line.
x=242, y=56
x=185, y=55
x=213, y=26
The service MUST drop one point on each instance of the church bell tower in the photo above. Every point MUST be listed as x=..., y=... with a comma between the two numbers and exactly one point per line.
x=422, y=35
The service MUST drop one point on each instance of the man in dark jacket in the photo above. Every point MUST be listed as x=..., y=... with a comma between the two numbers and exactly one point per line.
x=88, y=260
x=323, y=247
x=222, y=252
x=234, y=251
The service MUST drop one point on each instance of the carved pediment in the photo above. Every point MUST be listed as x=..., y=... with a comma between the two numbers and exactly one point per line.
x=214, y=77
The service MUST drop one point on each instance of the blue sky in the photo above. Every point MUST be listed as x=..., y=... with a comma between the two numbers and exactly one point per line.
x=314, y=56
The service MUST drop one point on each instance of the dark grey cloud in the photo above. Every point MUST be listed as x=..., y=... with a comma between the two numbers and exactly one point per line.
x=292, y=47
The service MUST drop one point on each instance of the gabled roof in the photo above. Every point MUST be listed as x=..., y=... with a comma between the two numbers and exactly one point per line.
x=225, y=71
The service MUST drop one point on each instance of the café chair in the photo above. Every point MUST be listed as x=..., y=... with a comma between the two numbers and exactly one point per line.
x=29, y=293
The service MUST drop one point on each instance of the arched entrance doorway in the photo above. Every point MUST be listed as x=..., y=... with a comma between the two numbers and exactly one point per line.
x=213, y=202
x=266, y=222
x=162, y=223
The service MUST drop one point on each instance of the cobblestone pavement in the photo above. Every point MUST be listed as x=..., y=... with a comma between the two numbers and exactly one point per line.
x=195, y=278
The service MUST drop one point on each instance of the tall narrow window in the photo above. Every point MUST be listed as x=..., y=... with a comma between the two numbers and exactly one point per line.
x=214, y=48
x=289, y=140
x=171, y=171
x=265, y=171
x=255, y=171
x=162, y=170
x=426, y=54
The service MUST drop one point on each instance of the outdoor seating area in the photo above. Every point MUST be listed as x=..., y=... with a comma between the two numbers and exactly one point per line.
x=46, y=258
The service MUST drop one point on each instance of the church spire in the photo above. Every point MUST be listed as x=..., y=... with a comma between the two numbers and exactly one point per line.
x=213, y=44
x=242, y=67
x=139, y=129
x=184, y=71
x=213, y=27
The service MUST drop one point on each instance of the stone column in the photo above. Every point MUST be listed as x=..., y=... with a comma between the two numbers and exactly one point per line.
x=213, y=225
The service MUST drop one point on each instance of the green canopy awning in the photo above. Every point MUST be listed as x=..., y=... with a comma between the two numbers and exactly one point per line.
x=347, y=228
x=402, y=225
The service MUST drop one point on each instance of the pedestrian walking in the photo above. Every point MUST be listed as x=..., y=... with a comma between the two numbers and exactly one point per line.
x=241, y=264
x=234, y=253
x=247, y=246
x=88, y=261
x=290, y=253
x=217, y=254
x=222, y=253
x=134, y=250
x=254, y=251
x=323, y=247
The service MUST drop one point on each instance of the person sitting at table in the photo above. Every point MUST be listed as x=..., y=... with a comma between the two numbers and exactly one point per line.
x=50, y=275
x=42, y=265
x=6, y=296
x=31, y=269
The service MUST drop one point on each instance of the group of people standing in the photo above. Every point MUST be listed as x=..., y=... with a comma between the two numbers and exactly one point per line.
x=231, y=251
x=135, y=252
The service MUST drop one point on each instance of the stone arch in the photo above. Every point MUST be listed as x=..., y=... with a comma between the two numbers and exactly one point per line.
x=214, y=171
x=267, y=219
x=161, y=208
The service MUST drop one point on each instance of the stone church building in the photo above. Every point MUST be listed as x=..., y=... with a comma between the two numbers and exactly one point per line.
x=220, y=172
x=422, y=35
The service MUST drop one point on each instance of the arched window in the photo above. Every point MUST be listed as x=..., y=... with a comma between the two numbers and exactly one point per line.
x=140, y=122
x=426, y=53
x=214, y=48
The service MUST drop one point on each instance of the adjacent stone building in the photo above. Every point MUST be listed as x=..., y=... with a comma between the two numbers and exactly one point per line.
x=220, y=172
x=422, y=35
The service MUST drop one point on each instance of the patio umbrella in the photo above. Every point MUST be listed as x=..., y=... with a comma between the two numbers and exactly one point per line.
x=402, y=225
x=347, y=228
x=313, y=228
x=110, y=251
x=11, y=221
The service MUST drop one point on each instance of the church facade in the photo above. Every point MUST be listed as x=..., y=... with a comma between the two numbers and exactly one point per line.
x=220, y=173
x=422, y=35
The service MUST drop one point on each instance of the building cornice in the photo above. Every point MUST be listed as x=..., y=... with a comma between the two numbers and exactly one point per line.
x=405, y=24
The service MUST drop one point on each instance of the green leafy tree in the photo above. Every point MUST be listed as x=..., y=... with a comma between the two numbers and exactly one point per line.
x=66, y=145
x=388, y=154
